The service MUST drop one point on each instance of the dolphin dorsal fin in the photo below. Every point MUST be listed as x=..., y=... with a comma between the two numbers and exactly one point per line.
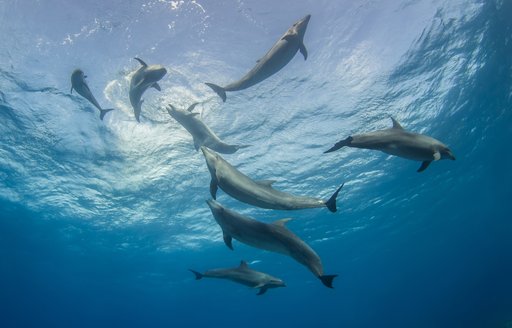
x=243, y=265
x=141, y=61
x=396, y=125
x=266, y=183
x=282, y=222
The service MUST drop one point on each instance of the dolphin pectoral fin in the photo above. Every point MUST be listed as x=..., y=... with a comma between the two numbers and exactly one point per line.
x=197, y=274
x=191, y=107
x=437, y=156
x=156, y=86
x=282, y=222
x=243, y=265
x=141, y=61
x=228, y=240
x=197, y=145
x=266, y=183
x=331, y=203
x=327, y=279
x=262, y=290
x=103, y=112
x=339, y=144
x=424, y=166
x=219, y=90
x=213, y=188
x=396, y=125
x=303, y=50
x=289, y=36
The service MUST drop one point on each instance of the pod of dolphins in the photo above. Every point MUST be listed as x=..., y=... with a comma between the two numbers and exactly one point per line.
x=273, y=237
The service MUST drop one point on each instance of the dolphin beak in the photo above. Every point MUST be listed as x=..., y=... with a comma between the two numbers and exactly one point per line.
x=214, y=205
x=303, y=23
x=208, y=153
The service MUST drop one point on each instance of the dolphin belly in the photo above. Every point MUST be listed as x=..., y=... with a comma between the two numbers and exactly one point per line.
x=265, y=197
x=280, y=55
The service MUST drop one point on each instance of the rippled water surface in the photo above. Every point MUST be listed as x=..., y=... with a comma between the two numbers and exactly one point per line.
x=100, y=220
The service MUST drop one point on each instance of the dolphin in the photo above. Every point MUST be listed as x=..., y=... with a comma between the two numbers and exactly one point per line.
x=274, y=237
x=200, y=132
x=399, y=142
x=245, y=276
x=276, y=58
x=144, y=78
x=79, y=84
x=257, y=193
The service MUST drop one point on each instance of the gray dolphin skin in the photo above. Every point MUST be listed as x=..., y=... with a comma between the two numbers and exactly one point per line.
x=274, y=237
x=200, y=132
x=245, y=276
x=257, y=193
x=399, y=142
x=276, y=58
x=144, y=78
x=79, y=84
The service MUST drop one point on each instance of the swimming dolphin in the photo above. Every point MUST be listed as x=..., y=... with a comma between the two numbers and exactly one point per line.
x=258, y=193
x=274, y=237
x=79, y=84
x=276, y=58
x=144, y=78
x=396, y=141
x=200, y=132
x=245, y=276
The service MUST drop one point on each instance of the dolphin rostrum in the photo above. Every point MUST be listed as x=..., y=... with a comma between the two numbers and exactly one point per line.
x=79, y=84
x=399, y=142
x=276, y=58
x=245, y=276
x=200, y=132
x=257, y=193
x=144, y=78
x=274, y=237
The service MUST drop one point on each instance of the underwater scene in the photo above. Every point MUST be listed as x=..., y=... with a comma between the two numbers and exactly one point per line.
x=242, y=163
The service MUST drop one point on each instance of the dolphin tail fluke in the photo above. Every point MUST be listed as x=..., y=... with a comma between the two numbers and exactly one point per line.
x=219, y=90
x=197, y=274
x=103, y=112
x=331, y=203
x=340, y=144
x=327, y=279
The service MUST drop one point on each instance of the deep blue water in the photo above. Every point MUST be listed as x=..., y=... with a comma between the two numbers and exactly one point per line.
x=101, y=220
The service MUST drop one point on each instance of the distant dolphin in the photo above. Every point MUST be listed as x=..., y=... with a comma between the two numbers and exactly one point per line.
x=274, y=237
x=396, y=141
x=144, y=78
x=79, y=84
x=258, y=193
x=245, y=276
x=201, y=132
x=276, y=58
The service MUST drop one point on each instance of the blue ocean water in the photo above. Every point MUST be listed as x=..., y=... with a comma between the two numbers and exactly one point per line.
x=100, y=221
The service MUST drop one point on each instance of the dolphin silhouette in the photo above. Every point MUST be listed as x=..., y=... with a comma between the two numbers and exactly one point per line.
x=276, y=58
x=243, y=275
x=144, y=78
x=257, y=193
x=399, y=142
x=200, y=132
x=274, y=237
x=79, y=84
